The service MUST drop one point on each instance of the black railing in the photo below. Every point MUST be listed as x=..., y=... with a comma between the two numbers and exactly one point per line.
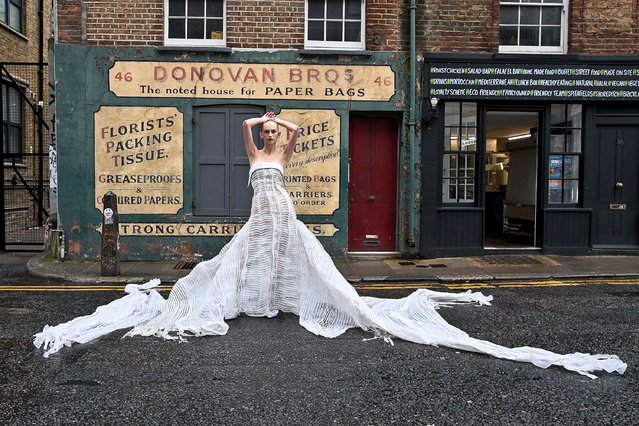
x=24, y=187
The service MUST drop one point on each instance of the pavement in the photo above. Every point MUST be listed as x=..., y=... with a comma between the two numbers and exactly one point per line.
x=487, y=269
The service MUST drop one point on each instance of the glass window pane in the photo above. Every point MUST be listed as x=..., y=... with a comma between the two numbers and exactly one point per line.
x=451, y=138
x=177, y=7
x=469, y=139
x=15, y=104
x=449, y=190
x=573, y=140
x=571, y=167
x=316, y=9
x=195, y=29
x=352, y=31
x=469, y=164
x=551, y=16
x=550, y=36
x=450, y=165
x=196, y=8
x=15, y=145
x=176, y=28
x=571, y=191
x=353, y=9
x=215, y=29
x=530, y=15
x=508, y=36
x=451, y=114
x=333, y=31
x=215, y=8
x=554, y=191
x=558, y=115
x=5, y=100
x=469, y=114
x=467, y=193
x=316, y=30
x=529, y=36
x=3, y=11
x=15, y=17
x=557, y=141
x=334, y=9
x=574, y=115
x=508, y=15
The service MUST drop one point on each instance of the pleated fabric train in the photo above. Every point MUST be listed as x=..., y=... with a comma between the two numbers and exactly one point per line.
x=274, y=263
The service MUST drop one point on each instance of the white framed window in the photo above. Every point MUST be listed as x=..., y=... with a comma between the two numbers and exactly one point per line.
x=335, y=24
x=195, y=23
x=533, y=26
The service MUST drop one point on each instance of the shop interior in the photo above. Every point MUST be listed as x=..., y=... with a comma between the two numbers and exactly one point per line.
x=511, y=179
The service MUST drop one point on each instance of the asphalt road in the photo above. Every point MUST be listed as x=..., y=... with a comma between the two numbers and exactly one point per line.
x=275, y=372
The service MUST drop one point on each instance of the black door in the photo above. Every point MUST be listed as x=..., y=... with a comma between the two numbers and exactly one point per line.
x=615, y=209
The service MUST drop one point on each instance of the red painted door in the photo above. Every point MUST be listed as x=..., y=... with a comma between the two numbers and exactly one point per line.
x=372, y=188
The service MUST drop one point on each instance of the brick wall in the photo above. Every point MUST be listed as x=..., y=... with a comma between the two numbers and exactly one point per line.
x=23, y=47
x=604, y=27
x=596, y=26
x=263, y=24
x=133, y=22
x=69, y=21
x=458, y=26
x=387, y=25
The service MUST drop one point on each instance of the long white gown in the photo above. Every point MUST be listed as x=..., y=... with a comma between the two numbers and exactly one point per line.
x=274, y=263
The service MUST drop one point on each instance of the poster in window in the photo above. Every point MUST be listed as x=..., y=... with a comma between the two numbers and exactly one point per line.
x=555, y=167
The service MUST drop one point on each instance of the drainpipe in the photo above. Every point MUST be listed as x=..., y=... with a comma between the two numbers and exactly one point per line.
x=412, y=169
x=40, y=106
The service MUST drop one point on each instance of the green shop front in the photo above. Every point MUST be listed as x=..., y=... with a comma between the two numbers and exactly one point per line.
x=525, y=154
x=162, y=130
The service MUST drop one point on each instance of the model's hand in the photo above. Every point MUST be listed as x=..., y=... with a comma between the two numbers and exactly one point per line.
x=268, y=116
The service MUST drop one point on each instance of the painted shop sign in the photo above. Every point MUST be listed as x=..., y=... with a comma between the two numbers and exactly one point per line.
x=251, y=81
x=139, y=156
x=203, y=229
x=312, y=175
x=579, y=82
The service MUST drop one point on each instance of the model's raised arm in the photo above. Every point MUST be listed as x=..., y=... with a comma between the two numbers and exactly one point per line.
x=294, y=132
x=248, y=124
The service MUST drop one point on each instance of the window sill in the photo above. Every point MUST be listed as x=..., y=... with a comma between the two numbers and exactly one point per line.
x=212, y=49
x=14, y=31
x=324, y=52
x=20, y=164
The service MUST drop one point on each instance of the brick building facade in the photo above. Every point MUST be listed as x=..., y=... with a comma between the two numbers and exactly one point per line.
x=453, y=87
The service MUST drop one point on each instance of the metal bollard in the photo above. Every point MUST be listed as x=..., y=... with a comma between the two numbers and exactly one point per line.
x=110, y=256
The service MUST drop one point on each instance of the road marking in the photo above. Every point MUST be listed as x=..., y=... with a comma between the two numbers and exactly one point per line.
x=63, y=287
x=380, y=286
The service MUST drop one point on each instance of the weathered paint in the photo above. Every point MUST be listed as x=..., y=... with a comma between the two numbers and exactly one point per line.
x=83, y=88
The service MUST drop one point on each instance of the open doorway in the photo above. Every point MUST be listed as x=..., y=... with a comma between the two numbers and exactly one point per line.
x=510, y=183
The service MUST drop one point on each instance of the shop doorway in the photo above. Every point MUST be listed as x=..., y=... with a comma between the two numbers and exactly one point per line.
x=510, y=180
x=372, y=185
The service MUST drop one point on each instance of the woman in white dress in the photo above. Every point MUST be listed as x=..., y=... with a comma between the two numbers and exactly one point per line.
x=274, y=263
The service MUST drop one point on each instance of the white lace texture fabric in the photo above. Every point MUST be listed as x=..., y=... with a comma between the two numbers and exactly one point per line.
x=274, y=263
